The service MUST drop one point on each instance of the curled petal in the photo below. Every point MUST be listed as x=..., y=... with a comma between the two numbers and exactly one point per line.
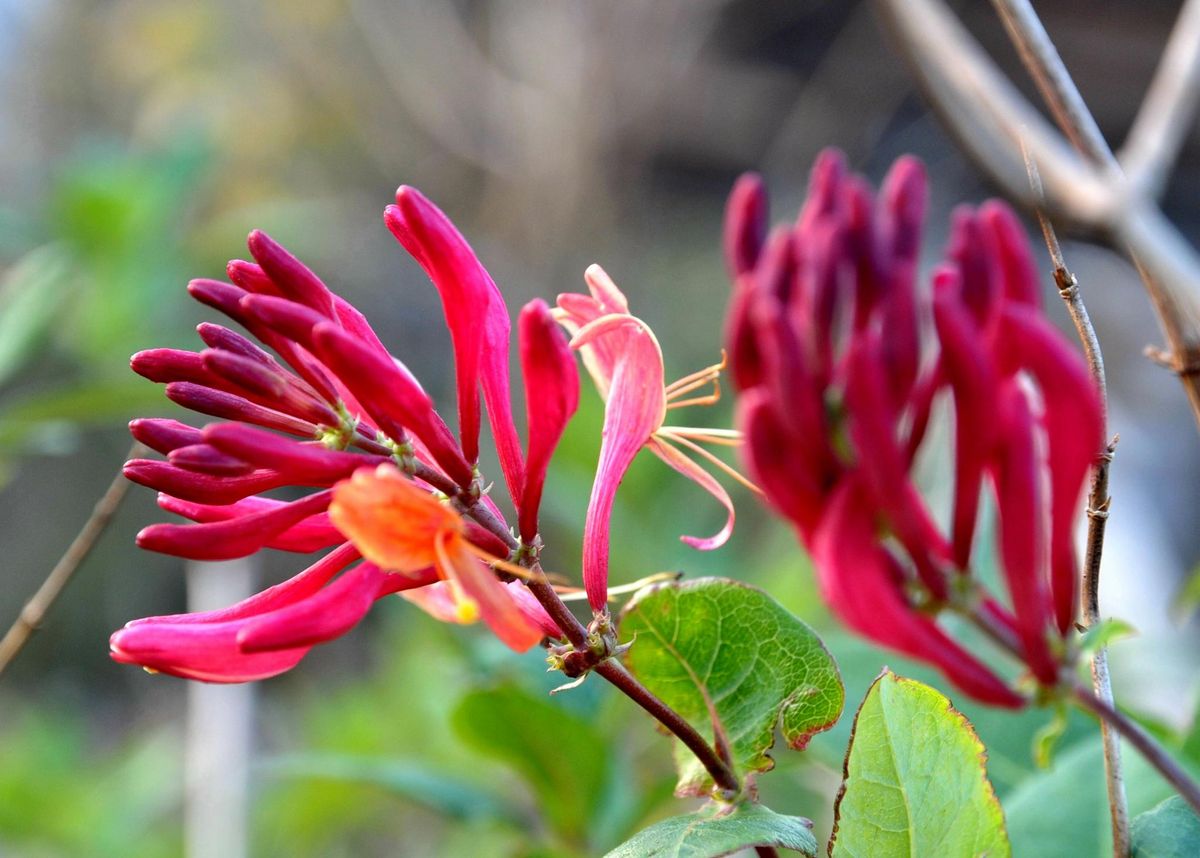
x=681, y=463
x=633, y=412
x=532, y=609
x=497, y=607
x=551, y=397
x=444, y=601
x=390, y=520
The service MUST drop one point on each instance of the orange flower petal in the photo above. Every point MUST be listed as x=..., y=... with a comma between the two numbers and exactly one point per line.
x=391, y=521
x=497, y=607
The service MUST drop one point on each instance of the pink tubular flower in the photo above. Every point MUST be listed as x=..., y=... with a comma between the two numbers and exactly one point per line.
x=625, y=361
x=329, y=408
x=836, y=385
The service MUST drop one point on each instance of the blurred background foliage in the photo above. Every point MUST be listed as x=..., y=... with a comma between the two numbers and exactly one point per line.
x=142, y=140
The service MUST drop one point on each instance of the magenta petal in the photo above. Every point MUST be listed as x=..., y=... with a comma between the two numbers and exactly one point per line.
x=1019, y=273
x=162, y=435
x=973, y=380
x=298, y=587
x=1073, y=422
x=289, y=274
x=469, y=296
x=478, y=321
x=746, y=217
x=777, y=462
x=862, y=583
x=391, y=397
x=551, y=397
x=167, y=365
x=311, y=463
x=633, y=413
x=1022, y=512
x=251, y=277
x=230, y=406
x=312, y=534
x=235, y=537
x=328, y=614
x=207, y=459
x=201, y=488
x=201, y=651
x=884, y=465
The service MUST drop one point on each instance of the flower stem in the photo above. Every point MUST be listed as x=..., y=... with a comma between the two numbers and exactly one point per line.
x=1143, y=741
x=722, y=775
x=35, y=609
x=611, y=669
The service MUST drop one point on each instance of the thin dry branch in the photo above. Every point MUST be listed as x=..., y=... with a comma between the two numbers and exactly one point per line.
x=1168, y=110
x=34, y=611
x=1097, y=511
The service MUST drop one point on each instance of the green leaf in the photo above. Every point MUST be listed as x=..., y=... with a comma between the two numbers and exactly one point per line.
x=731, y=660
x=915, y=781
x=1170, y=830
x=451, y=796
x=714, y=831
x=31, y=297
x=1105, y=632
x=562, y=756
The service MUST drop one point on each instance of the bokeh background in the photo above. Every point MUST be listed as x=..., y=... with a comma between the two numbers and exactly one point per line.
x=140, y=140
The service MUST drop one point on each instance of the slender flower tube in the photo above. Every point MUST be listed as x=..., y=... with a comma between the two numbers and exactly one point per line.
x=625, y=361
x=839, y=361
x=325, y=406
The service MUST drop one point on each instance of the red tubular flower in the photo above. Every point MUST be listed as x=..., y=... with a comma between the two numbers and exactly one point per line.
x=826, y=335
x=331, y=409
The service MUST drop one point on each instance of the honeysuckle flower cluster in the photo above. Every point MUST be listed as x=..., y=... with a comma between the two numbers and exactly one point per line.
x=399, y=499
x=839, y=360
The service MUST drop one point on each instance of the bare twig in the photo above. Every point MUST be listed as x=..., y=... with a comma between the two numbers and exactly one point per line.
x=1053, y=81
x=1098, y=505
x=990, y=117
x=34, y=611
x=1168, y=110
